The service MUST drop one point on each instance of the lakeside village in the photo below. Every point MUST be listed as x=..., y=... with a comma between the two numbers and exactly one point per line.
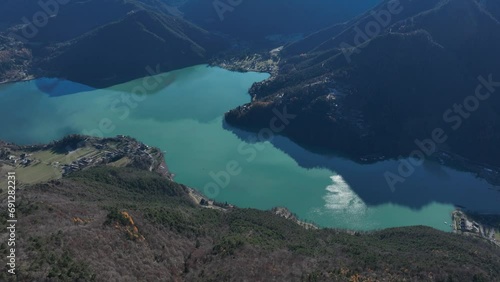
x=335, y=94
x=482, y=226
x=39, y=163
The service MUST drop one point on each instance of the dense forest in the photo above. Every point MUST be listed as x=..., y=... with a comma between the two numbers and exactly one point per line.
x=120, y=223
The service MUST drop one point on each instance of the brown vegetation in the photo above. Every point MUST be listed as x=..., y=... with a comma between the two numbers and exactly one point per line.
x=138, y=225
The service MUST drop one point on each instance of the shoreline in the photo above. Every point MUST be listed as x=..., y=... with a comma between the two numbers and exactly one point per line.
x=30, y=78
x=451, y=160
x=256, y=63
x=464, y=223
x=375, y=160
x=127, y=149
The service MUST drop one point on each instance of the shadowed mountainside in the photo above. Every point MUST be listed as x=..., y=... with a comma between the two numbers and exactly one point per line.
x=258, y=19
x=99, y=43
x=377, y=97
x=123, y=50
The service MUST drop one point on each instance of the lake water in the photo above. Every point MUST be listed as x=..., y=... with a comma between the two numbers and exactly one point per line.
x=182, y=114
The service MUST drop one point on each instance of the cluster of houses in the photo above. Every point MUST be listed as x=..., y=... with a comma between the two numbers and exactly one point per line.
x=129, y=149
x=135, y=148
x=80, y=164
x=336, y=93
x=255, y=62
x=24, y=159
x=107, y=151
x=469, y=226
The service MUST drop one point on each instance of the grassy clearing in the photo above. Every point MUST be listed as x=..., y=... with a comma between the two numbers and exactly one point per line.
x=121, y=162
x=49, y=156
x=47, y=165
x=37, y=173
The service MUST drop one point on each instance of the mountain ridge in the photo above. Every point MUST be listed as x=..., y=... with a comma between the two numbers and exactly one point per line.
x=397, y=85
x=59, y=51
x=159, y=40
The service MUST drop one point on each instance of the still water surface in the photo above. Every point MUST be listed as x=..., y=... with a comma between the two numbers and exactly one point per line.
x=182, y=115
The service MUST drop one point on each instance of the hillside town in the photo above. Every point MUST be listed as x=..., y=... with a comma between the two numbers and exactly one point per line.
x=467, y=225
x=75, y=153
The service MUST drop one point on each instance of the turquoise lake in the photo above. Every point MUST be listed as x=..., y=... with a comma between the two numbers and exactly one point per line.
x=182, y=114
